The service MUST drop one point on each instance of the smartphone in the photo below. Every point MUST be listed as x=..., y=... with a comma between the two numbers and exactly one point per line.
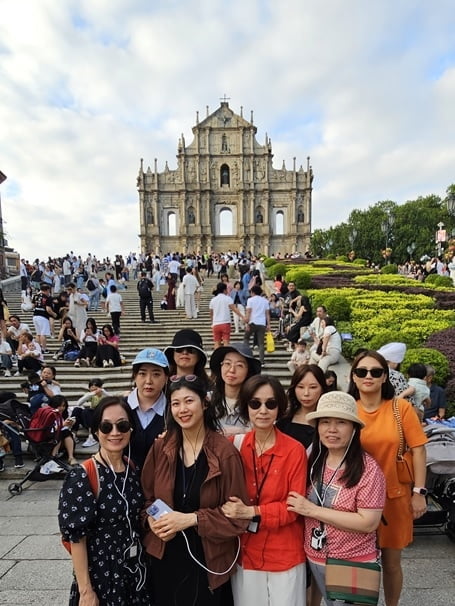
x=157, y=509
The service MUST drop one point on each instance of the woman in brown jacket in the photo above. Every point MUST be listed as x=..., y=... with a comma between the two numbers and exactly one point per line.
x=193, y=470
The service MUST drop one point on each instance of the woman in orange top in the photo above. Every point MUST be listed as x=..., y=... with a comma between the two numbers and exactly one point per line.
x=371, y=387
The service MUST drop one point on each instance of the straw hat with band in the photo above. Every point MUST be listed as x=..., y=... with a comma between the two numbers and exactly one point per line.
x=185, y=338
x=219, y=354
x=336, y=405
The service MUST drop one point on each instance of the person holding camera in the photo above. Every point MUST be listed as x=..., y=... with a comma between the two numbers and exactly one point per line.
x=271, y=569
x=186, y=478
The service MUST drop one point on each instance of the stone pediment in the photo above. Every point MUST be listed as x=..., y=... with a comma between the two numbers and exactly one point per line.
x=224, y=118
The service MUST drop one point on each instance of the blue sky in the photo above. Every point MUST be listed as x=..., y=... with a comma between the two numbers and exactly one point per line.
x=89, y=87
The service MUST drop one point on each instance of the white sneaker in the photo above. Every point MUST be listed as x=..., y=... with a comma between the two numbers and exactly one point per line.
x=17, y=374
x=7, y=373
x=105, y=364
x=111, y=362
x=90, y=441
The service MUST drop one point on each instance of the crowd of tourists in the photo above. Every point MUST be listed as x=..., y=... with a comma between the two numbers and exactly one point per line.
x=211, y=483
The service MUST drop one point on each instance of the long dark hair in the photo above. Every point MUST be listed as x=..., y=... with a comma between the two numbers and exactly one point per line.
x=387, y=389
x=200, y=389
x=299, y=374
x=354, y=462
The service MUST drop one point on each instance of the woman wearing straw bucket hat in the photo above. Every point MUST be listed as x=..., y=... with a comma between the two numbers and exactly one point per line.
x=345, y=492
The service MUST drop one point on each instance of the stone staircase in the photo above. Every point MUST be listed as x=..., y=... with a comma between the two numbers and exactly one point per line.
x=136, y=335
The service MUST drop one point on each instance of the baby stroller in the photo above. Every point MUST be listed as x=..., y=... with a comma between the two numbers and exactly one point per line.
x=440, y=479
x=42, y=432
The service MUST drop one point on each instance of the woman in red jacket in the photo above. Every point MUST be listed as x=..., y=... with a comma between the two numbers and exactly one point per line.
x=272, y=565
x=193, y=470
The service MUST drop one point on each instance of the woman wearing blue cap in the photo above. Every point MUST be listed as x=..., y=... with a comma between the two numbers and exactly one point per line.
x=147, y=400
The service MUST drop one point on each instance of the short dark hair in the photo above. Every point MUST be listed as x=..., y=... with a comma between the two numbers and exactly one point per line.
x=95, y=382
x=257, y=290
x=417, y=371
x=15, y=316
x=57, y=401
x=250, y=387
x=104, y=403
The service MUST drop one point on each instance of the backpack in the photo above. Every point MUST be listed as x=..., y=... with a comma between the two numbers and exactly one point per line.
x=45, y=425
x=90, y=285
x=94, y=481
x=144, y=289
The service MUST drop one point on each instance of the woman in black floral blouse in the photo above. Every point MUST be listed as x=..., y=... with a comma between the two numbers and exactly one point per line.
x=99, y=517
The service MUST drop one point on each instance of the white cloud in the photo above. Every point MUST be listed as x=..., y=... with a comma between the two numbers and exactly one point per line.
x=366, y=89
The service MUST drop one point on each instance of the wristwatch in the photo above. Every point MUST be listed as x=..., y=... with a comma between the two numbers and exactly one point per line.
x=422, y=491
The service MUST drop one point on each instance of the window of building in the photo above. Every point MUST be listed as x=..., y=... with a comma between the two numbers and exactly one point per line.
x=226, y=228
x=224, y=175
x=279, y=223
x=172, y=224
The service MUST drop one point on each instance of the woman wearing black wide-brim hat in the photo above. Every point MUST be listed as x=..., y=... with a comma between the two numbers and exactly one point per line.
x=186, y=355
x=231, y=366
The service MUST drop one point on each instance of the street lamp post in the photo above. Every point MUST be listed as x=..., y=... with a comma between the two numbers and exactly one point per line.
x=450, y=201
x=386, y=227
x=411, y=248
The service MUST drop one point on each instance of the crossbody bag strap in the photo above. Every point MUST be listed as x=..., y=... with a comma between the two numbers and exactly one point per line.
x=396, y=414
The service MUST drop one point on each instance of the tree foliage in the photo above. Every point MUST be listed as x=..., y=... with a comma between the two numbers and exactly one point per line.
x=387, y=224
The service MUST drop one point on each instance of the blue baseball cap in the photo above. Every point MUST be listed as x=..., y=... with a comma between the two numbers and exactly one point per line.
x=150, y=355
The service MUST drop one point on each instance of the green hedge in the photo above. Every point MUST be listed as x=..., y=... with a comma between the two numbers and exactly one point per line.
x=432, y=357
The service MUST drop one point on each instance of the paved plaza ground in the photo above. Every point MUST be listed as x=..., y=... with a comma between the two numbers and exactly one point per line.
x=36, y=570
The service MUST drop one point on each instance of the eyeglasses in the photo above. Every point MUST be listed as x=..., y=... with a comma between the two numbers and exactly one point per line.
x=121, y=426
x=188, y=350
x=188, y=378
x=361, y=373
x=269, y=404
x=236, y=365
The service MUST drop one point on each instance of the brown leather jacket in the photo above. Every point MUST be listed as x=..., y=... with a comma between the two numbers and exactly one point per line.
x=224, y=479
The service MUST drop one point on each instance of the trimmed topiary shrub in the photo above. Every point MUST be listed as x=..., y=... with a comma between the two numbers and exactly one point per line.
x=425, y=355
x=339, y=308
x=382, y=336
x=269, y=261
x=445, y=281
x=362, y=262
x=391, y=268
x=343, y=259
x=431, y=278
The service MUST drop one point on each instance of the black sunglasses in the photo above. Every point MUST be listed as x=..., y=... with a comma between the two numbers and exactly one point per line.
x=361, y=373
x=176, y=378
x=122, y=426
x=188, y=350
x=256, y=404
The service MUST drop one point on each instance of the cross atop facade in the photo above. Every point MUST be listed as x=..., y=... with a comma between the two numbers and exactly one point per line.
x=225, y=99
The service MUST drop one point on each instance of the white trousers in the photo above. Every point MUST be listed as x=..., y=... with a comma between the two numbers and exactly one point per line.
x=287, y=588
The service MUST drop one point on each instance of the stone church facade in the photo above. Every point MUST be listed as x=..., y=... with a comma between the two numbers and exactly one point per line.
x=225, y=194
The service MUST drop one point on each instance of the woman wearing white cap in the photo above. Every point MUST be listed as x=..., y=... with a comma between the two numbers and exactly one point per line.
x=346, y=490
x=147, y=401
x=394, y=354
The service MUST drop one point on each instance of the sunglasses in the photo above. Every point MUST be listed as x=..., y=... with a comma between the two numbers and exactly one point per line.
x=188, y=378
x=256, y=404
x=121, y=426
x=188, y=350
x=361, y=373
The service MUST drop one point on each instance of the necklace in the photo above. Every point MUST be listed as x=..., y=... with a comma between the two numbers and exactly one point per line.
x=194, y=447
x=261, y=447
